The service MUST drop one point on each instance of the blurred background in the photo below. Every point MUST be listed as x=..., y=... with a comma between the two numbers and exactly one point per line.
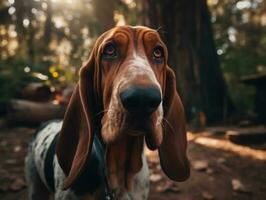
x=217, y=49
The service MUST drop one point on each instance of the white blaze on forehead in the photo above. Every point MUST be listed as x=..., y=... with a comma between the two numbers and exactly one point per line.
x=140, y=66
x=140, y=61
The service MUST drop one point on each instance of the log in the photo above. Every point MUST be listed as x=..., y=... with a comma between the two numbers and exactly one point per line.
x=248, y=136
x=37, y=92
x=28, y=113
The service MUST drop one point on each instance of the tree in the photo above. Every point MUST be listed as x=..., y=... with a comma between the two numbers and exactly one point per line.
x=188, y=34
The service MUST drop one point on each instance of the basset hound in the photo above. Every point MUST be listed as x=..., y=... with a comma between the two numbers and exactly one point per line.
x=126, y=95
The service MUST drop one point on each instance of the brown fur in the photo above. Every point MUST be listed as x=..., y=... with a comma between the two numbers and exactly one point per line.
x=99, y=81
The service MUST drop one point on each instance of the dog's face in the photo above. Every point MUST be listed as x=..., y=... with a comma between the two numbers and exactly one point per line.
x=132, y=62
x=127, y=89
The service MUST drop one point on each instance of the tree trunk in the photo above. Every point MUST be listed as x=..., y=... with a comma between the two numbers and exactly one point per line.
x=20, y=10
x=186, y=30
x=48, y=24
x=104, y=13
x=31, y=33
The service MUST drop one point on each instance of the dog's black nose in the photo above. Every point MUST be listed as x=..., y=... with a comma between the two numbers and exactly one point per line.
x=141, y=99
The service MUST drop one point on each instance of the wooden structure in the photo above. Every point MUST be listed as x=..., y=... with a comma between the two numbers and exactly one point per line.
x=259, y=82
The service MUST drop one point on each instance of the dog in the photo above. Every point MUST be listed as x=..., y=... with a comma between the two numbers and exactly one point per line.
x=126, y=95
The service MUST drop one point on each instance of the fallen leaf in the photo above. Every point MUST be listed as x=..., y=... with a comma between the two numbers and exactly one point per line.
x=200, y=165
x=238, y=186
x=207, y=195
x=17, y=148
x=221, y=160
x=209, y=171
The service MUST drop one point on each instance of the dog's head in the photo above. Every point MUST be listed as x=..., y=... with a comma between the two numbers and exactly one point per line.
x=127, y=90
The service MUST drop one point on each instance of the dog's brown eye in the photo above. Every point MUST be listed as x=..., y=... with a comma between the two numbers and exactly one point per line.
x=109, y=52
x=158, y=54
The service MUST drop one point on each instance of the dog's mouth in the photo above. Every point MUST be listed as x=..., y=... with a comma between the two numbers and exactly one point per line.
x=137, y=123
x=118, y=123
x=135, y=133
x=146, y=126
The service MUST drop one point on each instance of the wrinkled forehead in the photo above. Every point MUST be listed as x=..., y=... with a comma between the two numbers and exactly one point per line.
x=134, y=37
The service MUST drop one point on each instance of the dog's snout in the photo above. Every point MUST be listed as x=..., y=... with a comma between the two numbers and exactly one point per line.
x=141, y=99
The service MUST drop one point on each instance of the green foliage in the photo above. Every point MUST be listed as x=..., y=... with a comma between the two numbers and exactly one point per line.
x=49, y=42
x=240, y=35
x=12, y=78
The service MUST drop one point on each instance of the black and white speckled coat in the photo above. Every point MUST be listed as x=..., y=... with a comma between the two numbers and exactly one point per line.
x=44, y=176
x=126, y=94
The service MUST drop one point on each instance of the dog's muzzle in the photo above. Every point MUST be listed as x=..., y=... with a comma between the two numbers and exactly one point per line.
x=141, y=100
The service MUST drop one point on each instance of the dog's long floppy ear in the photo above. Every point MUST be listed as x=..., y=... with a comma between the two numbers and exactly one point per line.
x=173, y=150
x=76, y=136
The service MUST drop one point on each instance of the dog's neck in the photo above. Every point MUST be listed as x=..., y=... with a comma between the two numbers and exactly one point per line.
x=123, y=161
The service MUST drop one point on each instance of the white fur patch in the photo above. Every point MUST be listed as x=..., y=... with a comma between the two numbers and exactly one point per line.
x=140, y=66
x=42, y=143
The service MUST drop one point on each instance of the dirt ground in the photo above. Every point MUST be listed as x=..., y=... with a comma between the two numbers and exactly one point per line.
x=221, y=170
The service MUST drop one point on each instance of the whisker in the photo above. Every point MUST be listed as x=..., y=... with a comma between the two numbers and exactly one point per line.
x=169, y=124
x=162, y=124
x=103, y=111
x=159, y=28
x=161, y=31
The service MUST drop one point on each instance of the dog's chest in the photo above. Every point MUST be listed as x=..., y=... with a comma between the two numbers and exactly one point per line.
x=51, y=173
x=91, y=180
x=44, y=151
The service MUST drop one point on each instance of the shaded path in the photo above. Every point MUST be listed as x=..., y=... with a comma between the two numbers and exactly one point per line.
x=216, y=160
